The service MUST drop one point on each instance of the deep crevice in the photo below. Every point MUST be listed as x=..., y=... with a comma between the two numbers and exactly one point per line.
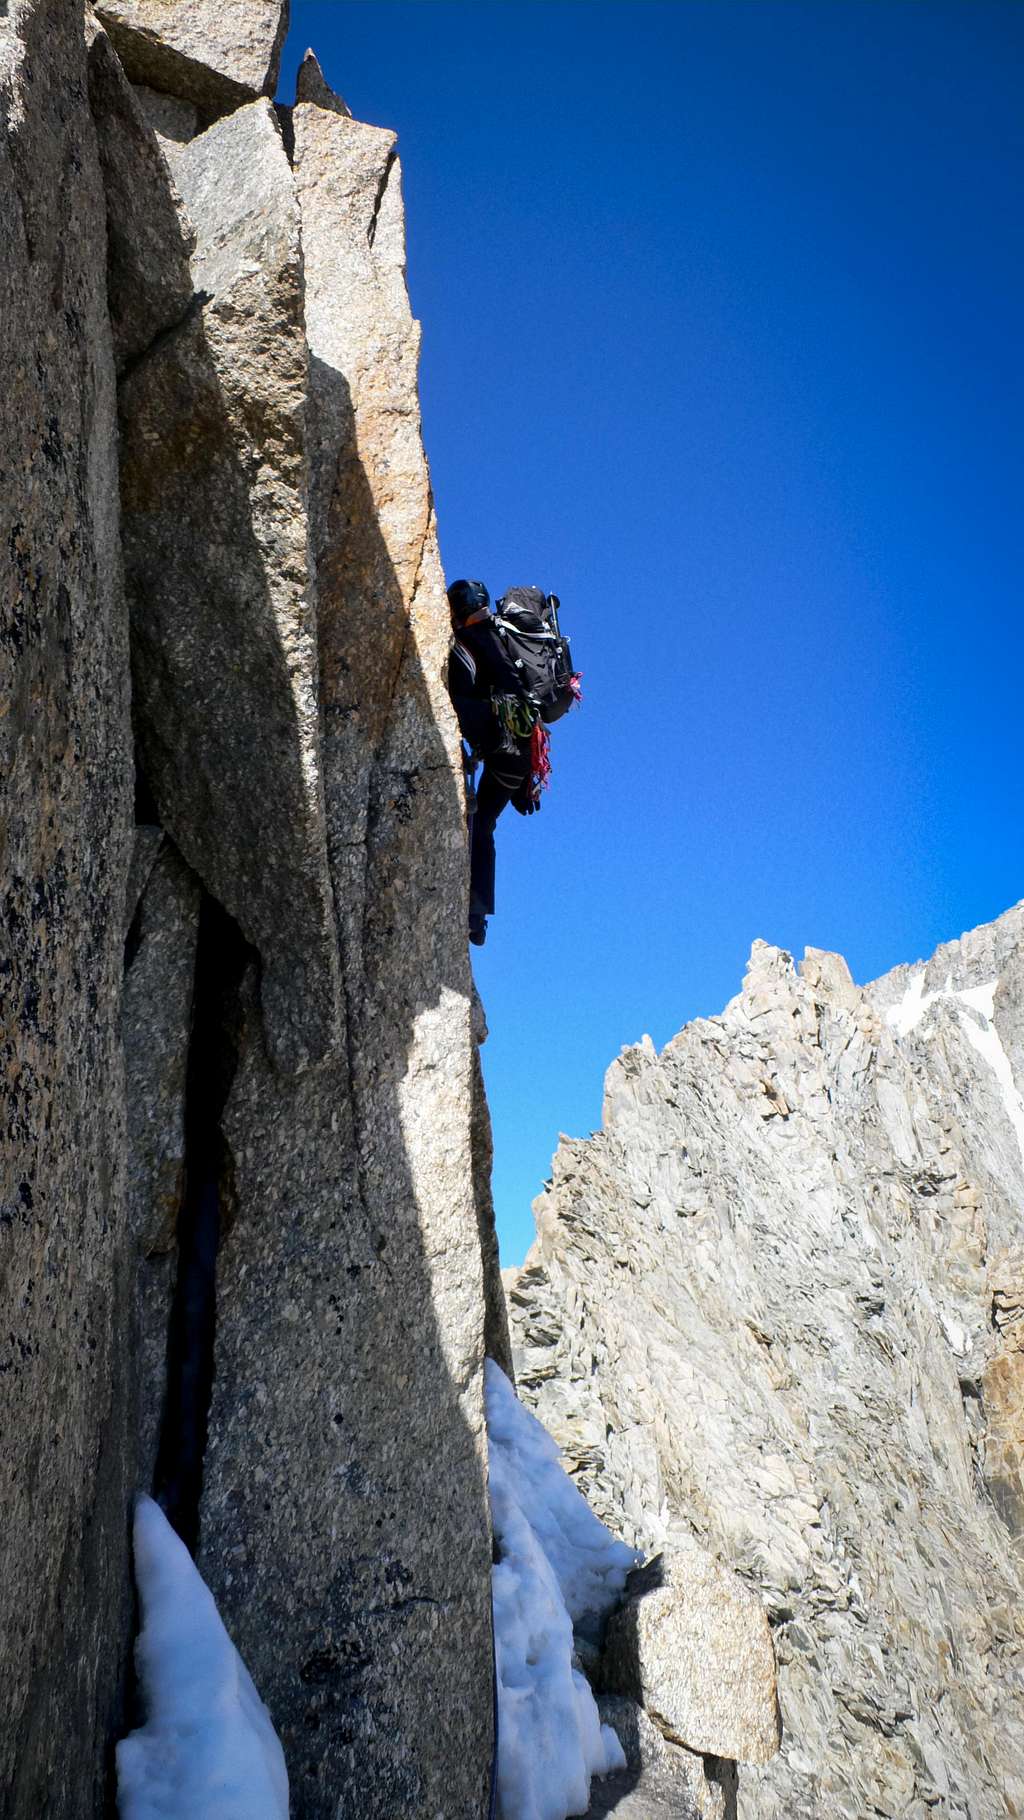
x=146, y=812
x=222, y=956
x=392, y=160
x=286, y=123
x=133, y=939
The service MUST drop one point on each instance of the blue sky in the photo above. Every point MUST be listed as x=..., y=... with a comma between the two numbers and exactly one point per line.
x=721, y=305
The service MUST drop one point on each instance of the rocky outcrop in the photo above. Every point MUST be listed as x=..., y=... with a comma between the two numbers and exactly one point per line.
x=149, y=286
x=216, y=54
x=776, y=1301
x=65, y=757
x=350, y=1281
x=274, y=953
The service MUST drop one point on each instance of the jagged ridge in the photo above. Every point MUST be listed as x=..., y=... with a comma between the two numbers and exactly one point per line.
x=777, y=1301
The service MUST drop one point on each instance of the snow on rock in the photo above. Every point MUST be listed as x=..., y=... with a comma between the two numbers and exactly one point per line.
x=984, y=1036
x=557, y=1563
x=208, y=1749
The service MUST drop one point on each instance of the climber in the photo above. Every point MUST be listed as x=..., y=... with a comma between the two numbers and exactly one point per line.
x=508, y=675
x=478, y=673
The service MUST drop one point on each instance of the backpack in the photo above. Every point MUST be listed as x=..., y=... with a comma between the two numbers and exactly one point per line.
x=526, y=621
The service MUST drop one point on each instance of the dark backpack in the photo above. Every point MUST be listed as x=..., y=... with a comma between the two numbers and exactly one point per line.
x=526, y=621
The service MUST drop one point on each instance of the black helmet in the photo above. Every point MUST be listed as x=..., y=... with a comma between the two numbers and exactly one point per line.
x=466, y=598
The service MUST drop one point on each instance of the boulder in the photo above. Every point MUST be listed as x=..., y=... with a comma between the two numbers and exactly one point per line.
x=692, y=1645
x=216, y=54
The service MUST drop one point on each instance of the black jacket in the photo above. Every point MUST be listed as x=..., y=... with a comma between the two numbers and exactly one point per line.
x=478, y=666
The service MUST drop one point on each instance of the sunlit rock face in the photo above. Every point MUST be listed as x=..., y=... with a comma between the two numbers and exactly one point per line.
x=244, y=1010
x=778, y=1300
x=216, y=54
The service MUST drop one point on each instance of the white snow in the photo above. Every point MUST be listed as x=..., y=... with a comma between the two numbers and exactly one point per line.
x=984, y=1036
x=557, y=1562
x=208, y=1749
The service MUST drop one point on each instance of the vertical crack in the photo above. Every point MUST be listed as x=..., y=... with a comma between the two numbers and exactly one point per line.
x=222, y=955
x=385, y=178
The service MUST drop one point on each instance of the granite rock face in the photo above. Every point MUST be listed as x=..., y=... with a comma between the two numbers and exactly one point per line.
x=65, y=758
x=275, y=956
x=149, y=286
x=350, y=1280
x=216, y=54
x=218, y=568
x=777, y=1301
x=160, y=954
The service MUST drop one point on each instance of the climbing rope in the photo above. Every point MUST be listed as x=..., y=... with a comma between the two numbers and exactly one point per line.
x=517, y=716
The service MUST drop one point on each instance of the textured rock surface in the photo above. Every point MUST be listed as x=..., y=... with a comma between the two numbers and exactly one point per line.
x=214, y=491
x=661, y=1780
x=214, y=53
x=350, y=1281
x=310, y=85
x=65, y=758
x=691, y=1645
x=171, y=119
x=1002, y=1394
x=316, y=1062
x=149, y=286
x=157, y=1014
x=776, y=1299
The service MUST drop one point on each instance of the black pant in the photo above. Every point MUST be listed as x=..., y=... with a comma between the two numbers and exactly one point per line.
x=502, y=777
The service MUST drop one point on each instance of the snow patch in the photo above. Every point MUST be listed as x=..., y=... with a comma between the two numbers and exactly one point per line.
x=557, y=1564
x=983, y=1036
x=208, y=1749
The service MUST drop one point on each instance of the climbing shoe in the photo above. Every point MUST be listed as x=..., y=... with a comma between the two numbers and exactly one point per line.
x=477, y=929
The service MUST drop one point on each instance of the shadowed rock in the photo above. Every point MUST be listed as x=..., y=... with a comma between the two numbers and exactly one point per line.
x=344, y=1525
x=160, y=964
x=149, y=285
x=170, y=118
x=215, y=53
x=311, y=86
x=214, y=492
x=661, y=1781
x=65, y=759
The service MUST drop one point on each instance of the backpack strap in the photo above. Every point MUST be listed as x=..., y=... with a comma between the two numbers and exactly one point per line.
x=506, y=625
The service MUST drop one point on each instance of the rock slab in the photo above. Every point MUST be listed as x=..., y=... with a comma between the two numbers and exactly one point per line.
x=216, y=54
x=350, y=1281
x=214, y=486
